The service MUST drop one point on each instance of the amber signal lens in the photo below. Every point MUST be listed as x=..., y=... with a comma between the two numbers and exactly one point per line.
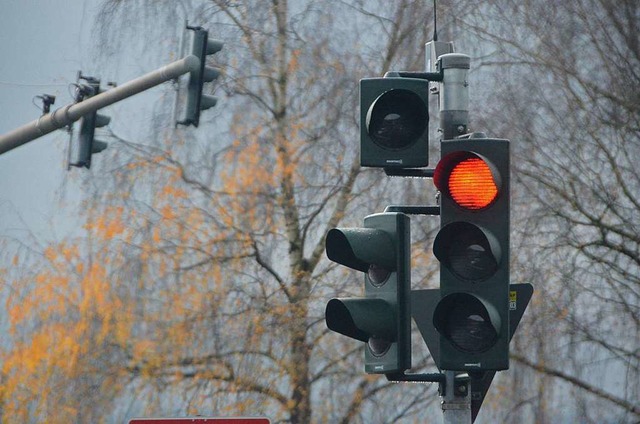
x=471, y=184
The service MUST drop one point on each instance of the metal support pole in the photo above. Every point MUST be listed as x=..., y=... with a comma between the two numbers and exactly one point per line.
x=454, y=94
x=456, y=400
x=70, y=113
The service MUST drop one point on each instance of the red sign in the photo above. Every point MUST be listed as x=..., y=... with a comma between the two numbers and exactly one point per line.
x=199, y=420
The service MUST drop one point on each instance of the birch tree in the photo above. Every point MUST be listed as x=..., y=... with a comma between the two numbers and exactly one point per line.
x=201, y=286
x=571, y=105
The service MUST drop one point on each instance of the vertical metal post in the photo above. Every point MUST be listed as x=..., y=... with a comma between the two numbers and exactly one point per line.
x=456, y=400
x=453, y=96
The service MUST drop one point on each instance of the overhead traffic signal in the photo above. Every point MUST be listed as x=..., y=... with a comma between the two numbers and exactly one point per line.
x=381, y=318
x=202, y=46
x=88, y=145
x=394, y=122
x=472, y=246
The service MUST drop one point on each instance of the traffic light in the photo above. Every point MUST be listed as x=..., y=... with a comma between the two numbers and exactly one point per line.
x=202, y=46
x=394, y=122
x=472, y=316
x=381, y=318
x=88, y=145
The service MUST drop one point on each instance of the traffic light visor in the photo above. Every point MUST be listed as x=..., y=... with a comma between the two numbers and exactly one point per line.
x=469, y=179
x=397, y=119
x=467, y=322
x=468, y=251
x=361, y=319
x=359, y=248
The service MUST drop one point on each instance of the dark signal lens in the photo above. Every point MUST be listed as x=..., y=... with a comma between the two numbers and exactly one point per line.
x=471, y=258
x=468, y=251
x=378, y=346
x=378, y=275
x=397, y=119
x=466, y=322
x=469, y=329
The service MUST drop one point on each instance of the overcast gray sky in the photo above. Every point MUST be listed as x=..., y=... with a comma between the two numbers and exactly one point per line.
x=42, y=46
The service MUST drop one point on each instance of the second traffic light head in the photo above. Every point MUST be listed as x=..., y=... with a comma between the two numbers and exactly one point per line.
x=202, y=46
x=87, y=144
x=380, y=319
x=394, y=122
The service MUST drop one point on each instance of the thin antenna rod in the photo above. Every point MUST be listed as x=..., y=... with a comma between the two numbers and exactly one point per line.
x=435, y=26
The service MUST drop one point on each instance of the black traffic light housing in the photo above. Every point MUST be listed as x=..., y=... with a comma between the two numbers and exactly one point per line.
x=472, y=316
x=381, y=319
x=394, y=122
x=202, y=46
x=87, y=144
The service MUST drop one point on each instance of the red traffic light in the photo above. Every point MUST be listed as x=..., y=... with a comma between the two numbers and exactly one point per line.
x=471, y=180
x=472, y=316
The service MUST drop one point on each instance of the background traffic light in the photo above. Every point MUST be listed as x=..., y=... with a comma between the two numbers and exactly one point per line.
x=472, y=246
x=394, y=122
x=202, y=46
x=87, y=144
x=381, y=319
